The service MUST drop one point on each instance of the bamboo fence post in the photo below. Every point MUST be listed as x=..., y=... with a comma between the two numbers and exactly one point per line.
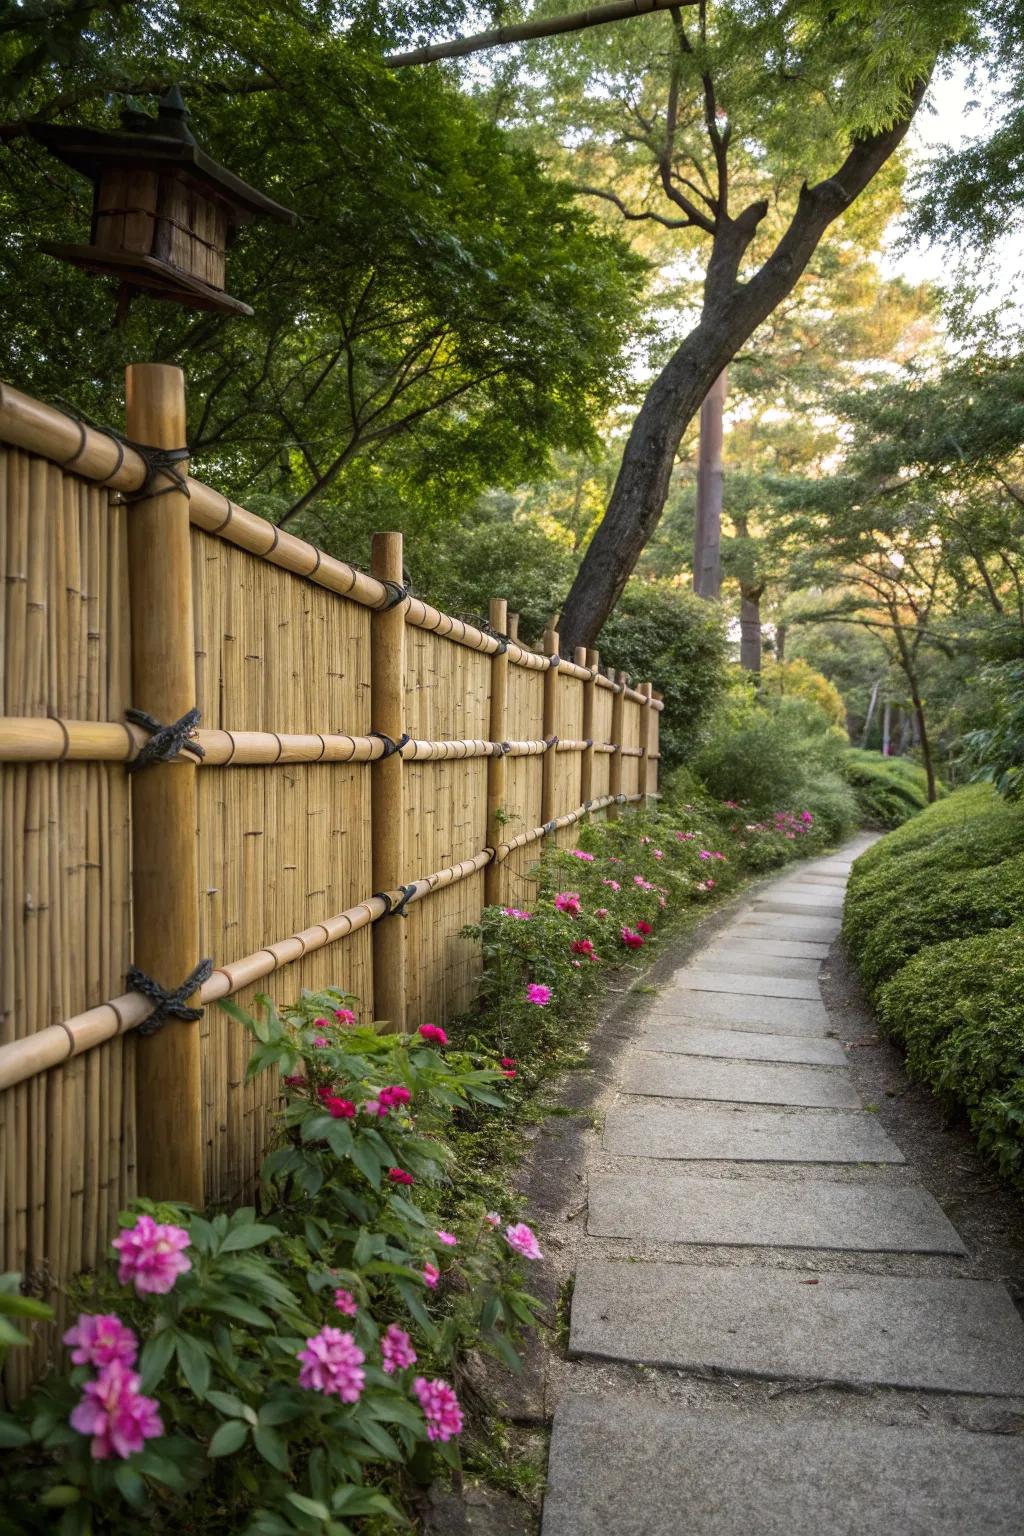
x=648, y=766
x=549, y=729
x=387, y=710
x=585, y=658
x=513, y=627
x=496, y=774
x=165, y=887
x=656, y=742
x=615, y=763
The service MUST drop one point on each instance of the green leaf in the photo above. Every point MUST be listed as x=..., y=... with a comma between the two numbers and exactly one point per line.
x=230, y=1437
x=12, y=1434
x=232, y=1306
x=379, y=1439
x=309, y=1506
x=227, y=1404
x=130, y=1486
x=194, y=1362
x=353, y=1500
x=156, y=1352
x=249, y=1236
x=271, y=1447
x=281, y=1411
x=61, y=1496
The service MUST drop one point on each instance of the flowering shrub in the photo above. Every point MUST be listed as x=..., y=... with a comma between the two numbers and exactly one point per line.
x=262, y=1367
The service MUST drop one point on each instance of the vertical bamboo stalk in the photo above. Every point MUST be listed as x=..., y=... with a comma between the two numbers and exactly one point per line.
x=589, y=659
x=387, y=702
x=615, y=763
x=655, y=745
x=648, y=766
x=496, y=769
x=513, y=627
x=164, y=876
x=549, y=729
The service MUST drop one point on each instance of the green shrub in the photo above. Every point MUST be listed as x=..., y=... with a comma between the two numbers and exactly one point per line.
x=956, y=1007
x=889, y=790
x=975, y=818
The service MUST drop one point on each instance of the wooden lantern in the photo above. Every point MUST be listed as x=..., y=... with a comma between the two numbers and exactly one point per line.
x=163, y=211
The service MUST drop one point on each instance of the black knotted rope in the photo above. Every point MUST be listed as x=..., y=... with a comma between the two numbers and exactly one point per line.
x=390, y=745
x=398, y=591
x=386, y=899
x=555, y=660
x=398, y=907
x=158, y=461
x=550, y=742
x=169, y=1004
x=165, y=741
x=551, y=826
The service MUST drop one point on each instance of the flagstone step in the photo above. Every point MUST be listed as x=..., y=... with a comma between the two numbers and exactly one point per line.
x=660, y=1205
x=794, y=949
x=659, y=1074
x=937, y=1335
x=711, y=978
x=686, y=1039
x=735, y=959
x=784, y=1015
x=658, y=1128
x=623, y=1467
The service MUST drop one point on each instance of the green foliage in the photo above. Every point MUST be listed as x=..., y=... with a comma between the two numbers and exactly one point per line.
x=797, y=679
x=996, y=751
x=244, y=1445
x=956, y=1008
x=663, y=631
x=889, y=790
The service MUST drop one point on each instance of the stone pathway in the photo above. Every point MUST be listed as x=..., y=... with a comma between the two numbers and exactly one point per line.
x=749, y=1222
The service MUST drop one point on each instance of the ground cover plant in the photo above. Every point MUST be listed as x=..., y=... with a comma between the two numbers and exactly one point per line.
x=935, y=922
x=888, y=790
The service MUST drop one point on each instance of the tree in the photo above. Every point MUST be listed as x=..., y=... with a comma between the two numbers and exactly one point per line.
x=444, y=307
x=746, y=132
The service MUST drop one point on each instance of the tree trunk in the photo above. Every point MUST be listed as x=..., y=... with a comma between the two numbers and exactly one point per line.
x=707, y=533
x=886, y=728
x=780, y=643
x=871, y=712
x=750, y=627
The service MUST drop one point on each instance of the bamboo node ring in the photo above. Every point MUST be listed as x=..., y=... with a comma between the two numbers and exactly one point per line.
x=165, y=741
x=169, y=1004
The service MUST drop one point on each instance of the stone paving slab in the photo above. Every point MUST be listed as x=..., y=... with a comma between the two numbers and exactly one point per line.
x=795, y=949
x=657, y=1074
x=828, y=895
x=781, y=1015
x=657, y=1128
x=936, y=1335
x=705, y=978
x=738, y=961
x=670, y=1207
x=799, y=906
x=766, y=925
x=687, y=1039
x=759, y=917
x=671, y=1473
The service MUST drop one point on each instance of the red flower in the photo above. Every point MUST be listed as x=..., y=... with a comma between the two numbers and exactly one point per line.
x=508, y=1061
x=433, y=1033
x=399, y=1176
x=632, y=940
x=340, y=1109
x=582, y=947
x=644, y=928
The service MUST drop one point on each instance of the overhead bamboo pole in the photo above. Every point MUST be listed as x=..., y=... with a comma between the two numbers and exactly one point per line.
x=585, y=658
x=496, y=772
x=165, y=890
x=550, y=727
x=387, y=712
x=615, y=765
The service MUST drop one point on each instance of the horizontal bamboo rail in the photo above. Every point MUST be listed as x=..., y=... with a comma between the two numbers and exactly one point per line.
x=569, y=819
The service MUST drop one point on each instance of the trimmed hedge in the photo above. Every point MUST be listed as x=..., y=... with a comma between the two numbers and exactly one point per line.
x=934, y=920
x=889, y=790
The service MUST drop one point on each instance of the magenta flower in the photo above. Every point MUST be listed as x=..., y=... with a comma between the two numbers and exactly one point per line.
x=339, y=1109
x=100, y=1339
x=392, y=1097
x=396, y=1349
x=614, y=884
x=151, y=1256
x=399, y=1176
x=433, y=1033
x=703, y=854
x=448, y=1239
x=375, y=1107
x=296, y=1080
x=523, y=1240
x=632, y=940
x=431, y=1275
x=568, y=901
x=600, y=911
x=116, y=1415
x=524, y=917
x=537, y=994
x=440, y=1408
x=581, y=947
x=578, y=853
x=644, y=928
x=656, y=853
x=331, y=1364
x=345, y=1302
x=344, y=1015
x=493, y=1219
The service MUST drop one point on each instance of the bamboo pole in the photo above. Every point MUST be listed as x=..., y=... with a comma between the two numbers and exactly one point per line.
x=648, y=767
x=387, y=709
x=164, y=876
x=592, y=661
x=550, y=727
x=615, y=766
x=496, y=772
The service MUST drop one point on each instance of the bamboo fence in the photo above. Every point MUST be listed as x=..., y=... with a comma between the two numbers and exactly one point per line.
x=362, y=751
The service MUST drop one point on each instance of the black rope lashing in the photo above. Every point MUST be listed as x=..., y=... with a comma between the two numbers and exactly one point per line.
x=398, y=909
x=169, y=1004
x=589, y=741
x=398, y=591
x=506, y=748
x=552, y=825
x=390, y=745
x=491, y=852
x=555, y=660
x=386, y=899
x=165, y=741
x=550, y=743
x=158, y=461
x=615, y=746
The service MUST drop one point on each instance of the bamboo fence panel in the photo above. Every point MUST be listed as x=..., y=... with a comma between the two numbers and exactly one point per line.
x=602, y=736
x=632, y=742
x=523, y=783
x=568, y=793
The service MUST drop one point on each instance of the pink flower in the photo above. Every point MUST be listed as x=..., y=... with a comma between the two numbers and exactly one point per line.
x=344, y=1015
x=578, y=853
x=151, y=1256
x=523, y=917
x=523, y=1240
x=614, y=884
x=508, y=1061
x=632, y=940
x=600, y=911
x=568, y=901
x=375, y=1107
x=440, y=1408
x=537, y=994
x=116, y=1415
x=295, y=1081
x=447, y=1238
x=657, y=853
x=100, y=1339
x=340, y=1109
x=493, y=1219
x=320, y=1041
x=431, y=1275
x=639, y=880
x=396, y=1349
x=806, y=818
x=703, y=854
x=582, y=947
x=345, y=1302
x=662, y=903
x=433, y=1033
x=392, y=1097
x=644, y=928
x=399, y=1176
x=331, y=1364
x=685, y=837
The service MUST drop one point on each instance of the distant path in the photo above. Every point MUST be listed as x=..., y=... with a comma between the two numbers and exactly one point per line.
x=774, y=1328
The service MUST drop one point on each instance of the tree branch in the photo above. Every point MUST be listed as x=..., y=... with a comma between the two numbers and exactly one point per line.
x=550, y=26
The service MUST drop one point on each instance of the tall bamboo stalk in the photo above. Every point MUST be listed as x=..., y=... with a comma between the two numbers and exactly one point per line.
x=590, y=659
x=164, y=878
x=615, y=765
x=387, y=670
x=496, y=772
x=550, y=727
